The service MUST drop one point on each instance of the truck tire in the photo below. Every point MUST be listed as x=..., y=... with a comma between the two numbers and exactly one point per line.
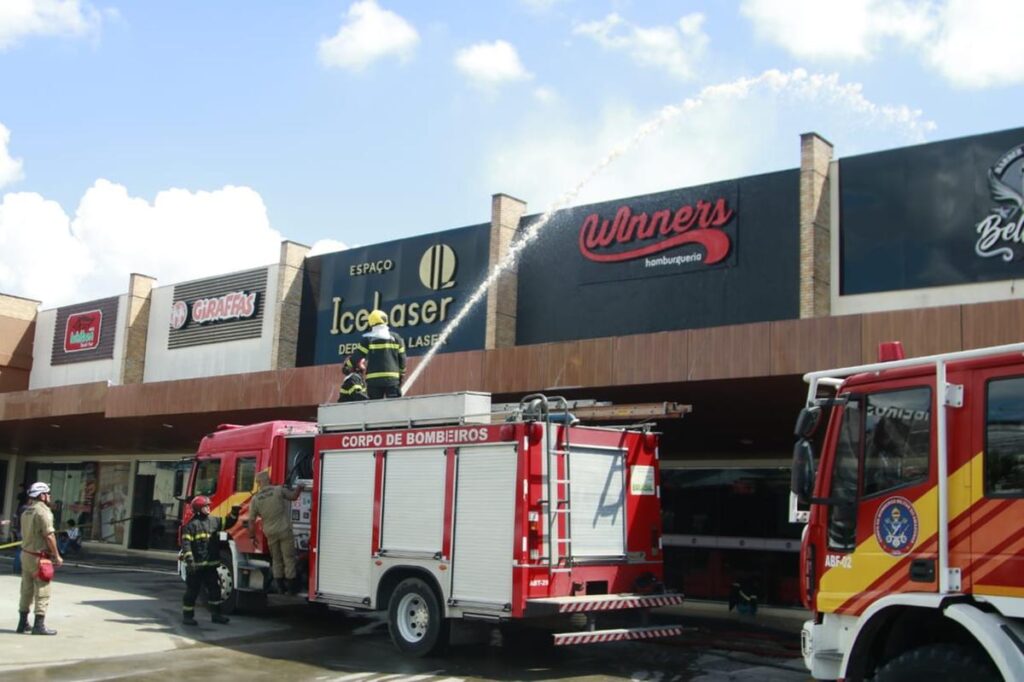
x=236, y=601
x=415, y=620
x=937, y=663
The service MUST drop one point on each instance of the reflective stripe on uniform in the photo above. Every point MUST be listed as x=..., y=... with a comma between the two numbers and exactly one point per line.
x=383, y=375
x=387, y=345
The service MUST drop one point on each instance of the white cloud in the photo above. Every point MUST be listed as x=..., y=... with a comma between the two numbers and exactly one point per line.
x=975, y=47
x=10, y=168
x=180, y=235
x=489, y=65
x=540, y=5
x=837, y=29
x=545, y=94
x=322, y=246
x=727, y=131
x=964, y=40
x=676, y=48
x=368, y=33
x=24, y=18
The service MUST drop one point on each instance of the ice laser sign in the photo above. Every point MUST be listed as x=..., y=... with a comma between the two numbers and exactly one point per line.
x=419, y=283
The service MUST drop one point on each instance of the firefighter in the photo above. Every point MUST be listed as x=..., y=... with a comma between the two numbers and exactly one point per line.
x=353, y=386
x=200, y=551
x=39, y=541
x=384, y=351
x=273, y=503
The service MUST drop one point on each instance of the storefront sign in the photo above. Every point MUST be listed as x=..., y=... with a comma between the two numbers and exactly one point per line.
x=722, y=253
x=82, y=331
x=220, y=309
x=628, y=236
x=1000, y=235
x=941, y=214
x=420, y=284
x=236, y=305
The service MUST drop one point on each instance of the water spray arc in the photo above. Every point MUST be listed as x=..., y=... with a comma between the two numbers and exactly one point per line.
x=530, y=235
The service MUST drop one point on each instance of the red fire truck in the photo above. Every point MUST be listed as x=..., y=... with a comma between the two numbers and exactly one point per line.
x=913, y=556
x=424, y=508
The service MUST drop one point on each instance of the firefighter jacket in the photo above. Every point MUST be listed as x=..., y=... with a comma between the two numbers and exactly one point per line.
x=274, y=504
x=384, y=351
x=352, y=388
x=200, y=540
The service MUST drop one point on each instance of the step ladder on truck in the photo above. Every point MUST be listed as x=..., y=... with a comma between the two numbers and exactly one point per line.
x=909, y=474
x=433, y=509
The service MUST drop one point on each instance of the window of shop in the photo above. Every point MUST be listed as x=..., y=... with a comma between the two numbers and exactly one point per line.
x=155, y=511
x=114, y=501
x=73, y=488
x=725, y=526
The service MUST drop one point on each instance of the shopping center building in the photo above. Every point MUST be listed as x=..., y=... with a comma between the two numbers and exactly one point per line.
x=718, y=296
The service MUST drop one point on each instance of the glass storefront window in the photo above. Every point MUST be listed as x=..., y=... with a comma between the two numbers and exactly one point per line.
x=113, y=501
x=155, y=511
x=72, y=492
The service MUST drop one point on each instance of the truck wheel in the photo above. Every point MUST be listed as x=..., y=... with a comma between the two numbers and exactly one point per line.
x=937, y=663
x=236, y=600
x=415, y=620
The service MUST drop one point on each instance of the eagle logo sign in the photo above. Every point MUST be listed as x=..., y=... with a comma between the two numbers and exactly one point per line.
x=1001, y=233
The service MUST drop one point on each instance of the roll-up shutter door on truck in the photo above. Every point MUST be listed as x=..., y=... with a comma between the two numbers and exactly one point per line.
x=597, y=501
x=345, y=524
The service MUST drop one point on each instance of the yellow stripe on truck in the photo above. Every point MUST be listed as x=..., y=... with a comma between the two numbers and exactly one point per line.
x=869, y=563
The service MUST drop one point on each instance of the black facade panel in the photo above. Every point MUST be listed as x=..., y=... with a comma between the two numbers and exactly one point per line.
x=909, y=218
x=569, y=289
x=422, y=283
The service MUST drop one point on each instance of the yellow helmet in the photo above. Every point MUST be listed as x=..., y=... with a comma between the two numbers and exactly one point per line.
x=377, y=317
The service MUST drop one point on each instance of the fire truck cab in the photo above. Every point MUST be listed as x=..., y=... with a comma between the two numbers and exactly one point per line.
x=432, y=509
x=912, y=560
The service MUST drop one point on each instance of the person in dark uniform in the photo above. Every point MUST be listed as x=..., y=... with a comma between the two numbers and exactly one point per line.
x=200, y=540
x=384, y=351
x=353, y=386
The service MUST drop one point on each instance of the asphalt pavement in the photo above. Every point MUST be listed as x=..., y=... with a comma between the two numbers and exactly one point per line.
x=110, y=604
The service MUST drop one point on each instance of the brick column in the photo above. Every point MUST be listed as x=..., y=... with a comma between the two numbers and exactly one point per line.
x=501, y=298
x=815, y=228
x=288, y=304
x=140, y=290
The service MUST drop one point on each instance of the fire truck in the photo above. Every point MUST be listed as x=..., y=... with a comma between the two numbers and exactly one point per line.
x=912, y=560
x=432, y=509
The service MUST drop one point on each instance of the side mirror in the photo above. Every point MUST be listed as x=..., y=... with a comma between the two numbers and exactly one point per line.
x=801, y=480
x=807, y=422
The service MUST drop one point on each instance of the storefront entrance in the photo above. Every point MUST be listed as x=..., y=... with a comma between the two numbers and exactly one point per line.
x=155, y=512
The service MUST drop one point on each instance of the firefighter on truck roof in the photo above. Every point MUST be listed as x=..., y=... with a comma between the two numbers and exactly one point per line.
x=384, y=351
x=353, y=386
x=200, y=550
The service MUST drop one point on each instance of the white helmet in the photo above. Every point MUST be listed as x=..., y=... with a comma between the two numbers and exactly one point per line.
x=37, y=489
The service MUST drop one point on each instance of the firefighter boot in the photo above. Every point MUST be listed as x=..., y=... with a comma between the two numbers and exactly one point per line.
x=22, y=621
x=282, y=585
x=294, y=586
x=39, y=627
x=189, y=618
x=216, y=616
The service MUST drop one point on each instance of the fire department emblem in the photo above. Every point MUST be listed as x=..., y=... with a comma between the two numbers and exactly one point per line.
x=896, y=526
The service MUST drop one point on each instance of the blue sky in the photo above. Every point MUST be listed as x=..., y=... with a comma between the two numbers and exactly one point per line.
x=186, y=139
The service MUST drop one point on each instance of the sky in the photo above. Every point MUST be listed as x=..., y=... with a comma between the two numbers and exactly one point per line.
x=189, y=138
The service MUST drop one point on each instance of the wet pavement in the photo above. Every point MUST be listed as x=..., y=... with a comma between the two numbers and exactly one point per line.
x=118, y=621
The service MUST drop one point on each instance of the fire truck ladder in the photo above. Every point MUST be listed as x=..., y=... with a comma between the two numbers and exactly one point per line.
x=558, y=507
